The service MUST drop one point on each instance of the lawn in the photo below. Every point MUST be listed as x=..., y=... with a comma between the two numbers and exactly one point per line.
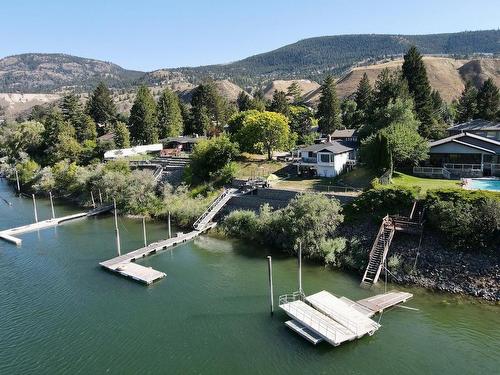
x=249, y=168
x=401, y=179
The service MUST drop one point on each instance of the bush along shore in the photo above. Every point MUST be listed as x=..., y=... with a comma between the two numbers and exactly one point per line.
x=459, y=250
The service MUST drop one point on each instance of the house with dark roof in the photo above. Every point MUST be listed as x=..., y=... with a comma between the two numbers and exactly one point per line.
x=324, y=159
x=462, y=155
x=484, y=128
x=183, y=143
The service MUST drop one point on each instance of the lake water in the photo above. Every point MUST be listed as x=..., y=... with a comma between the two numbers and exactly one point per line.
x=60, y=313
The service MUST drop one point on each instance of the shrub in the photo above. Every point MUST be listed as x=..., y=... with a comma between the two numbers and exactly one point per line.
x=356, y=257
x=394, y=262
x=333, y=249
x=241, y=224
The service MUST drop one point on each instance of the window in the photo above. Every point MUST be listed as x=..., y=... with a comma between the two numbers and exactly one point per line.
x=325, y=158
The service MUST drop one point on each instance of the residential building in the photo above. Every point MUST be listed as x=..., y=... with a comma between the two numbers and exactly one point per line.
x=182, y=143
x=488, y=129
x=324, y=159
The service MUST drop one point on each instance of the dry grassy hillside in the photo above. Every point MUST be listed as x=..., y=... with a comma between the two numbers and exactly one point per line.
x=305, y=85
x=16, y=104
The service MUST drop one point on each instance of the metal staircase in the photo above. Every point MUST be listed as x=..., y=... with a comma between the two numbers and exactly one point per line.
x=379, y=252
x=214, y=208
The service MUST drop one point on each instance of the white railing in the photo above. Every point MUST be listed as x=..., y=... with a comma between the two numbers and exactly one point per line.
x=478, y=167
x=344, y=320
x=207, y=212
x=446, y=173
x=427, y=170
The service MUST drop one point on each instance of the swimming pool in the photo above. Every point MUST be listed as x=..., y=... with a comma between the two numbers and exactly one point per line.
x=484, y=184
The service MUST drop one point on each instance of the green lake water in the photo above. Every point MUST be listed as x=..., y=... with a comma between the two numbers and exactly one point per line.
x=60, y=313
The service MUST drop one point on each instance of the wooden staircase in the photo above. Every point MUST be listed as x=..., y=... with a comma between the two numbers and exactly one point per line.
x=379, y=252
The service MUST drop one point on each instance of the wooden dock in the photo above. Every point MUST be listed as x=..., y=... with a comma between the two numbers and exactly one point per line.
x=124, y=265
x=324, y=317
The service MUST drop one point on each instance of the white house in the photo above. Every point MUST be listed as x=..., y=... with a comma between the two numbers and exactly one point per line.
x=324, y=159
x=137, y=150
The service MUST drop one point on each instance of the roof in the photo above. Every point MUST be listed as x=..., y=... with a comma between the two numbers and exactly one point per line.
x=333, y=147
x=465, y=134
x=345, y=133
x=183, y=139
x=106, y=137
x=474, y=125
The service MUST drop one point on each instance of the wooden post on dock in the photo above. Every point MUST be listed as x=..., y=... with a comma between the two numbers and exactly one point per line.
x=144, y=231
x=100, y=196
x=300, y=266
x=270, y=273
x=117, y=232
x=34, y=208
x=17, y=181
x=52, y=205
x=169, y=227
x=92, y=197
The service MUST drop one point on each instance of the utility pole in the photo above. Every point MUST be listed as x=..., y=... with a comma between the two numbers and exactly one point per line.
x=52, y=205
x=34, y=208
x=144, y=231
x=117, y=232
x=270, y=274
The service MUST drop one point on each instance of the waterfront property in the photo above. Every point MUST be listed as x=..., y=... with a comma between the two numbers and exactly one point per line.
x=133, y=151
x=324, y=159
x=175, y=145
x=462, y=155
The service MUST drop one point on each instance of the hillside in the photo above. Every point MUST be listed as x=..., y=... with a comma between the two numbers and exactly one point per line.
x=40, y=72
x=313, y=58
x=306, y=87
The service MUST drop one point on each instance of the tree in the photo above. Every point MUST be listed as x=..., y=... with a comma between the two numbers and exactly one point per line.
x=329, y=115
x=415, y=74
x=71, y=108
x=170, y=122
x=101, y=107
x=85, y=127
x=244, y=101
x=17, y=138
x=389, y=86
x=294, y=92
x=270, y=130
x=363, y=98
x=121, y=135
x=259, y=103
x=279, y=104
x=350, y=115
x=467, y=104
x=211, y=160
x=488, y=101
x=143, y=120
x=301, y=121
x=209, y=110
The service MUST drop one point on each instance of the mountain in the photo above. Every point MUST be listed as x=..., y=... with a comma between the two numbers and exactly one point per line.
x=44, y=72
x=314, y=57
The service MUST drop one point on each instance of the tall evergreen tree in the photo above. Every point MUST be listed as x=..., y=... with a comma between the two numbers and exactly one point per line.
x=329, y=114
x=209, y=111
x=364, y=95
x=488, y=101
x=279, y=104
x=420, y=89
x=85, y=128
x=71, y=108
x=244, y=101
x=170, y=122
x=388, y=87
x=121, y=135
x=101, y=107
x=143, y=120
x=294, y=92
x=467, y=104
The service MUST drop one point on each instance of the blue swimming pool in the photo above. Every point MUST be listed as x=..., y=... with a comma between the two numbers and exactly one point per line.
x=485, y=184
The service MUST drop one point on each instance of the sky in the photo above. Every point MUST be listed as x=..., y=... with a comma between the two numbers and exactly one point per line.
x=152, y=34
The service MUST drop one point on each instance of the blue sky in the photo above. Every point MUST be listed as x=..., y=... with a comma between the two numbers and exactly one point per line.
x=153, y=34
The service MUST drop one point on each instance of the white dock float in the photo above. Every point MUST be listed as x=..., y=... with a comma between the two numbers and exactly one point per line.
x=123, y=264
x=305, y=332
x=341, y=312
x=9, y=234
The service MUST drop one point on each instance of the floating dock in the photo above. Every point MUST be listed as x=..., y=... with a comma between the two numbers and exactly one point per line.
x=10, y=234
x=124, y=265
x=324, y=317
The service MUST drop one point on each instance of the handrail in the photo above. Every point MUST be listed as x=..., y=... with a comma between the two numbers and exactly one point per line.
x=211, y=207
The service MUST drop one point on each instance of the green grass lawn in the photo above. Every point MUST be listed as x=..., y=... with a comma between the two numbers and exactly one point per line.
x=258, y=168
x=401, y=179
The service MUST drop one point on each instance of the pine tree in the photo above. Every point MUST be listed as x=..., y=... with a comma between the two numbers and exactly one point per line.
x=101, y=107
x=143, y=120
x=294, y=92
x=121, y=135
x=415, y=74
x=329, y=115
x=71, y=108
x=170, y=122
x=467, y=104
x=244, y=101
x=209, y=111
x=279, y=104
x=488, y=101
x=388, y=87
x=86, y=129
x=364, y=95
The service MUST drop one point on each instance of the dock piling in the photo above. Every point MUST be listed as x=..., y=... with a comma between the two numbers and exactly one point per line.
x=117, y=232
x=144, y=231
x=100, y=197
x=300, y=267
x=34, y=208
x=52, y=205
x=92, y=197
x=270, y=274
x=169, y=227
x=17, y=181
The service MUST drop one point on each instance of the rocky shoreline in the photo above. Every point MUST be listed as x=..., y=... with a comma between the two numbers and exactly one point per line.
x=436, y=267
